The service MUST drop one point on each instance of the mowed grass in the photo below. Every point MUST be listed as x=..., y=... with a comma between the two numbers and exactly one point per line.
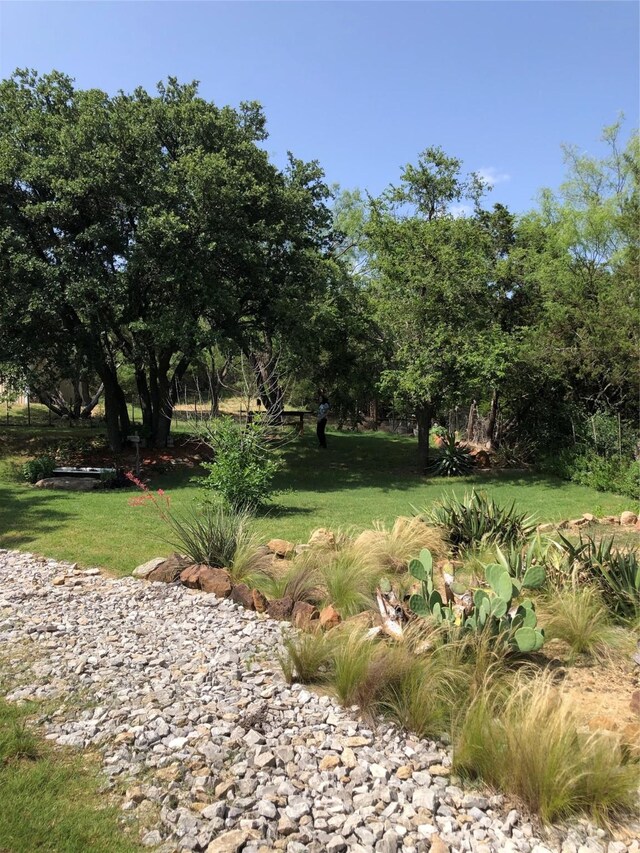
x=49, y=799
x=361, y=478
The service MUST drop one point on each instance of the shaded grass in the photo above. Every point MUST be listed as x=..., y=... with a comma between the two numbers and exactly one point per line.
x=362, y=477
x=49, y=799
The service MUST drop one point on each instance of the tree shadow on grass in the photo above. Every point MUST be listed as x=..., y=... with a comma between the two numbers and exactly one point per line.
x=24, y=516
x=388, y=463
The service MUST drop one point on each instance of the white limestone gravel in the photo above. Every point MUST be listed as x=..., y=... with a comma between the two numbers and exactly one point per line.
x=183, y=696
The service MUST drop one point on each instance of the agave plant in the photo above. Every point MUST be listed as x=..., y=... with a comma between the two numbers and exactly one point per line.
x=477, y=520
x=453, y=461
x=615, y=570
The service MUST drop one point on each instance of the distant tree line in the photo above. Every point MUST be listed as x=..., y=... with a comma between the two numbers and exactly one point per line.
x=144, y=236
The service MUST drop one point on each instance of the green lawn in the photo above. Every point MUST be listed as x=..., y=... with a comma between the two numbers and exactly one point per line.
x=50, y=798
x=359, y=479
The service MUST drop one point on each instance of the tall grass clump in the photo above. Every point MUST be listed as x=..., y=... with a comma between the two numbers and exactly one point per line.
x=350, y=581
x=526, y=742
x=578, y=616
x=308, y=658
x=391, y=549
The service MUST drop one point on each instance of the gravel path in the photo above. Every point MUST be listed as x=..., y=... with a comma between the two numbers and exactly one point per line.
x=183, y=696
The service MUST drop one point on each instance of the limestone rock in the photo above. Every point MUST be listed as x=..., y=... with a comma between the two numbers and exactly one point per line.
x=628, y=517
x=322, y=538
x=635, y=702
x=68, y=484
x=232, y=841
x=145, y=569
x=281, y=547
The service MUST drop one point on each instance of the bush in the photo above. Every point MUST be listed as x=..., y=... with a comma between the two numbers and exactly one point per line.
x=620, y=475
x=477, y=520
x=244, y=466
x=38, y=469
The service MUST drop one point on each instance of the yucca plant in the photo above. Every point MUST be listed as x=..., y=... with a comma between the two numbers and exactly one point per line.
x=452, y=460
x=477, y=520
x=210, y=534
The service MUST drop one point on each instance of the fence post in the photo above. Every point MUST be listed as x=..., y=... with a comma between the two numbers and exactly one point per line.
x=28, y=410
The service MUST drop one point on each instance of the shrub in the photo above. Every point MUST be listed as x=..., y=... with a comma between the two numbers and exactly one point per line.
x=499, y=741
x=452, y=460
x=477, y=520
x=245, y=465
x=620, y=475
x=38, y=469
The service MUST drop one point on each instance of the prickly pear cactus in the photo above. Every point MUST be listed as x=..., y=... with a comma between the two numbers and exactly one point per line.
x=494, y=609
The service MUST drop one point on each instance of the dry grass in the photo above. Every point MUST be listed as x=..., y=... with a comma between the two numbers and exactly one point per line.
x=392, y=549
x=578, y=617
x=526, y=741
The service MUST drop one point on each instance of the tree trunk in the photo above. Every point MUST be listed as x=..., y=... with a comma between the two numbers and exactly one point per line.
x=491, y=423
x=268, y=383
x=471, y=422
x=424, y=416
x=115, y=408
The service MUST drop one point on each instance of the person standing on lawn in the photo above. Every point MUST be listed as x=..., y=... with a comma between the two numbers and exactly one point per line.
x=323, y=410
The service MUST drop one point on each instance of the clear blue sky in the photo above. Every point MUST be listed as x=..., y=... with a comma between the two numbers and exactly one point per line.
x=364, y=86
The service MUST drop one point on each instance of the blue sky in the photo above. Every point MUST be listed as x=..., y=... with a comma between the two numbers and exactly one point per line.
x=364, y=86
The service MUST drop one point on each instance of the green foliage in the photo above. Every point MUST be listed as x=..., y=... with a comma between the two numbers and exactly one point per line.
x=493, y=610
x=620, y=475
x=309, y=658
x=50, y=797
x=184, y=235
x=499, y=741
x=615, y=570
x=350, y=581
x=452, y=460
x=477, y=520
x=578, y=616
x=245, y=465
x=38, y=469
x=211, y=534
